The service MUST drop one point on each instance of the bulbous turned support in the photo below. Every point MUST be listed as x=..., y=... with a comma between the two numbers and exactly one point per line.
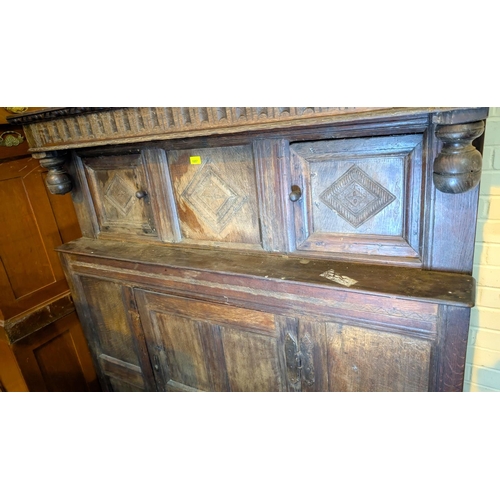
x=58, y=181
x=457, y=168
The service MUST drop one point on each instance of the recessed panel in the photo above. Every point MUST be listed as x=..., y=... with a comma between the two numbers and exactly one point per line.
x=120, y=203
x=216, y=196
x=182, y=341
x=109, y=317
x=22, y=249
x=121, y=194
x=359, y=197
x=364, y=360
x=252, y=361
x=59, y=365
x=199, y=346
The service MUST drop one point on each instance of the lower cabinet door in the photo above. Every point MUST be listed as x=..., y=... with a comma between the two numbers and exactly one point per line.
x=108, y=315
x=347, y=358
x=148, y=341
x=200, y=346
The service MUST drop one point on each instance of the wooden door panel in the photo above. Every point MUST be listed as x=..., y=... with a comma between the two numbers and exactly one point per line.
x=252, y=361
x=131, y=195
x=105, y=302
x=184, y=354
x=11, y=376
x=214, y=204
x=214, y=313
x=119, y=385
x=121, y=371
x=209, y=347
x=114, y=182
x=369, y=361
x=359, y=196
x=117, y=347
x=56, y=358
x=30, y=236
x=22, y=249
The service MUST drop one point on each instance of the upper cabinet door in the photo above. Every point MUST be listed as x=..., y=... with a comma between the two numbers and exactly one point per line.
x=359, y=198
x=130, y=195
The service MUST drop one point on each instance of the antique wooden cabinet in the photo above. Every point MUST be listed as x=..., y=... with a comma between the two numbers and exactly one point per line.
x=42, y=347
x=269, y=249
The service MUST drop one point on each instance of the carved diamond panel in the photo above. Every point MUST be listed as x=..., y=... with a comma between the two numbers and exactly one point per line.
x=215, y=201
x=120, y=194
x=356, y=197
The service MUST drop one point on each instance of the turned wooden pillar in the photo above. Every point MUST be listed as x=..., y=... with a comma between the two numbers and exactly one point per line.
x=58, y=180
x=457, y=168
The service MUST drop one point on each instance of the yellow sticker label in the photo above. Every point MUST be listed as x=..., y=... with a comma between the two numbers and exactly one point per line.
x=195, y=160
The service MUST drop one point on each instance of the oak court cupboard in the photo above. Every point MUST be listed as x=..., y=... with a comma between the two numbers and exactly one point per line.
x=269, y=249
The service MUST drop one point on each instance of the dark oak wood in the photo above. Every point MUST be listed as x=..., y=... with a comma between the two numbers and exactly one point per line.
x=271, y=249
x=207, y=302
x=215, y=206
x=271, y=158
x=114, y=183
x=457, y=168
x=66, y=128
x=107, y=311
x=449, y=354
x=210, y=347
x=448, y=241
x=395, y=362
x=160, y=263
x=418, y=212
x=57, y=180
x=359, y=196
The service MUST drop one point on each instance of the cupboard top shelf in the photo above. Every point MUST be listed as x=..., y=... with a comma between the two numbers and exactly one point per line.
x=280, y=270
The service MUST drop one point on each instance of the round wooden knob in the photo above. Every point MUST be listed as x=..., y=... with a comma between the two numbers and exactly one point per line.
x=296, y=194
x=140, y=194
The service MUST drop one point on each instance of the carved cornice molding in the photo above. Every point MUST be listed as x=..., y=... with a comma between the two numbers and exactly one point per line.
x=68, y=128
x=50, y=114
x=63, y=128
x=456, y=169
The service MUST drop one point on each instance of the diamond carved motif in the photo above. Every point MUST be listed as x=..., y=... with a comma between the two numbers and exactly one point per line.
x=120, y=194
x=214, y=200
x=356, y=197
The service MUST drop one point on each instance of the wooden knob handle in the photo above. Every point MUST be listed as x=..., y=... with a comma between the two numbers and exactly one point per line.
x=296, y=194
